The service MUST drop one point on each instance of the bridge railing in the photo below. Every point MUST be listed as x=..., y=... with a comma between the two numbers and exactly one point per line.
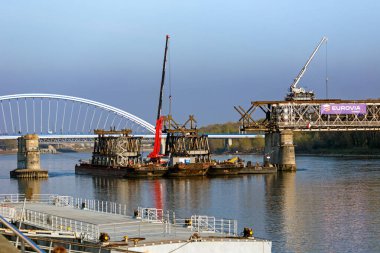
x=328, y=125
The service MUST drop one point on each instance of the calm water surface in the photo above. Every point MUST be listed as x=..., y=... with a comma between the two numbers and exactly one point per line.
x=331, y=204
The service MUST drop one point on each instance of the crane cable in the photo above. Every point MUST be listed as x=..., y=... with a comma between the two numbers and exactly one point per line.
x=326, y=72
x=170, y=83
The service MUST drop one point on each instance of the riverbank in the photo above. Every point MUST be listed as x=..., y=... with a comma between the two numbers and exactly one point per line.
x=355, y=152
x=8, y=152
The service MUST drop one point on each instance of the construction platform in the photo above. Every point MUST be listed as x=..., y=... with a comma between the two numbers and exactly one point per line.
x=149, y=229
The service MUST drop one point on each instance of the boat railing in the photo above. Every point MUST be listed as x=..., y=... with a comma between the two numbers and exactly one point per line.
x=208, y=224
x=99, y=206
x=83, y=230
x=8, y=211
x=59, y=200
x=151, y=214
x=17, y=198
x=202, y=223
x=138, y=228
x=24, y=239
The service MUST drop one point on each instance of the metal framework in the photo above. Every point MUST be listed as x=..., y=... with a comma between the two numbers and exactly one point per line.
x=113, y=150
x=307, y=116
x=184, y=140
x=60, y=114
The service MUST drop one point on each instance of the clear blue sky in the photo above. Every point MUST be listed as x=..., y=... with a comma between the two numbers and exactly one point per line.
x=222, y=53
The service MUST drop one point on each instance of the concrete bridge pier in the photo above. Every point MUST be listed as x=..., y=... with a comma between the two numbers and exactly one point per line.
x=279, y=150
x=227, y=144
x=287, y=158
x=28, y=158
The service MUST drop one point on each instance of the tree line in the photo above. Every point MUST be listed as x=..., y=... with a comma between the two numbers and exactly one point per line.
x=359, y=142
x=346, y=142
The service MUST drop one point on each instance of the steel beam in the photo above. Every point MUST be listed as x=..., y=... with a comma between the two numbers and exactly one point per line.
x=308, y=116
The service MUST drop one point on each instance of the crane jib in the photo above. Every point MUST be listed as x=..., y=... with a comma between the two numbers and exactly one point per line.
x=162, y=78
x=303, y=70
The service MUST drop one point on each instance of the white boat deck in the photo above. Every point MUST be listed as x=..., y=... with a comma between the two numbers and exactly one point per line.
x=62, y=213
x=153, y=229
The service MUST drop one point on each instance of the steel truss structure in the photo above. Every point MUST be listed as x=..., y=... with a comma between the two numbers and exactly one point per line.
x=184, y=140
x=116, y=148
x=307, y=116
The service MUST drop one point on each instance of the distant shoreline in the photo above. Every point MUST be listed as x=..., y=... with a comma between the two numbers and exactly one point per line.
x=319, y=154
x=329, y=154
x=338, y=155
x=8, y=152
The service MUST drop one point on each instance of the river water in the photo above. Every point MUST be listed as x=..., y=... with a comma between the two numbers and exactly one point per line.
x=331, y=204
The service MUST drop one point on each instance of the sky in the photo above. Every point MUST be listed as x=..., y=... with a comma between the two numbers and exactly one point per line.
x=221, y=53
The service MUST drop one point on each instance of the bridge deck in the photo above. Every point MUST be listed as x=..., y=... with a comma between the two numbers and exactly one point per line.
x=312, y=115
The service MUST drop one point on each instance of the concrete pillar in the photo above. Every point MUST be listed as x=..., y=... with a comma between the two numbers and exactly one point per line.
x=271, y=151
x=28, y=158
x=268, y=149
x=227, y=144
x=279, y=150
x=287, y=158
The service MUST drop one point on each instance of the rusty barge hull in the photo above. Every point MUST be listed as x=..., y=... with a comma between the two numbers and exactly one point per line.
x=258, y=170
x=188, y=170
x=224, y=169
x=103, y=171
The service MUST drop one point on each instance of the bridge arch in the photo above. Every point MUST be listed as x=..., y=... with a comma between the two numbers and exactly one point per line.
x=60, y=114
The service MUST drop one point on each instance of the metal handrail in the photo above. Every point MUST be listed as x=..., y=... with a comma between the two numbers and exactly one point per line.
x=20, y=235
x=168, y=220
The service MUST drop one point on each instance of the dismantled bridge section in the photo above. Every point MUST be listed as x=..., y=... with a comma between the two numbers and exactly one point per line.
x=279, y=119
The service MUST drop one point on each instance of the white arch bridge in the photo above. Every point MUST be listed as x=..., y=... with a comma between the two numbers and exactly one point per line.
x=52, y=114
x=60, y=118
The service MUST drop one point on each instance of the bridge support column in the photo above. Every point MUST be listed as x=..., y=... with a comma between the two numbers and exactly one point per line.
x=271, y=150
x=28, y=158
x=287, y=157
x=227, y=144
x=279, y=150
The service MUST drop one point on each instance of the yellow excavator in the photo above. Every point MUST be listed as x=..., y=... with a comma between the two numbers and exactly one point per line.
x=233, y=160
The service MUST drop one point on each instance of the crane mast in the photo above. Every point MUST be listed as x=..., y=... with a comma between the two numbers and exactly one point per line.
x=296, y=93
x=155, y=154
x=163, y=77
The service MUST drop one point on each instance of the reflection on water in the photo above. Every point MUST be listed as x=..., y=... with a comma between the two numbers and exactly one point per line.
x=29, y=186
x=331, y=204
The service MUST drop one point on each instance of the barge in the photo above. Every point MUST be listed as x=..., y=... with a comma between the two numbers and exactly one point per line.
x=188, y=151
x=232, y=166
x=257, y=168
x=117, y=154
x=188, y=170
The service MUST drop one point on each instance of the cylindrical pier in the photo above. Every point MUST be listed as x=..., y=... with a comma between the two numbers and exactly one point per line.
x=28, y=158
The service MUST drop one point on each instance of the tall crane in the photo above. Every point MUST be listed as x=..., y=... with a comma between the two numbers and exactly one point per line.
x=155, y=154
x=299, y=93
